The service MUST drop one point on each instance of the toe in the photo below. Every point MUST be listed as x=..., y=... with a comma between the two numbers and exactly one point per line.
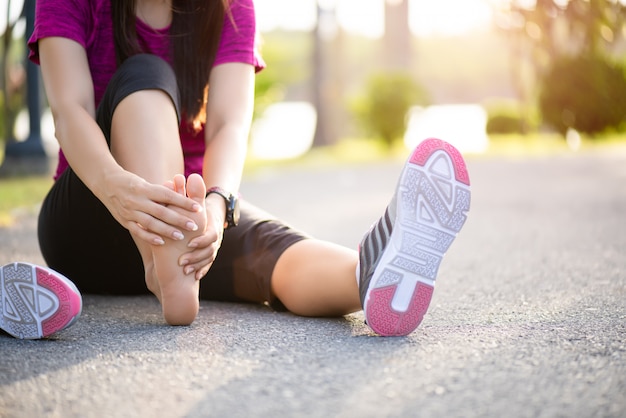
x=170, y=185
x=196, y=188
x=179, y=184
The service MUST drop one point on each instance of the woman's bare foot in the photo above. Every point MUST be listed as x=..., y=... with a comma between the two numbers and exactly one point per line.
x=177, y=291
x=152, y=283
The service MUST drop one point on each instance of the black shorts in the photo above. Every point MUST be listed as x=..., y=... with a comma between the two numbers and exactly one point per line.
x=79, y=238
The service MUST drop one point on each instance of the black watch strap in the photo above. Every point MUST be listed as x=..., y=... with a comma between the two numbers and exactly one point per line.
x=232, y=206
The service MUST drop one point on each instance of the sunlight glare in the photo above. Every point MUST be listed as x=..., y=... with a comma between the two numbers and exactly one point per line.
x=362, y=17
x=448, y=17
x=366, y=17
x=462, y=125
x=298, y=15
x=14, y=10
x=285, y=130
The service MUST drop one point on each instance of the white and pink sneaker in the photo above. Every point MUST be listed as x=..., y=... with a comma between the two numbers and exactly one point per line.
x=400, y=255
x=35, y=301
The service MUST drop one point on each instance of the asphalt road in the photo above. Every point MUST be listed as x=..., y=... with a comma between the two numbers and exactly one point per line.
x=528, y=317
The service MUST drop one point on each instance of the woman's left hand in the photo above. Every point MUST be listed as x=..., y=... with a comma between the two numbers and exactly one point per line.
x=204, y=248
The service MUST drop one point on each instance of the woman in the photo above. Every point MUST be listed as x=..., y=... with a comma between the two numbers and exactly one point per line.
x=144, y=90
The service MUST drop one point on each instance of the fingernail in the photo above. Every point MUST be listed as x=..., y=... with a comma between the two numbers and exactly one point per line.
x=184, y=262
x=158, y=241
x=189, y=270
x=192, y=245
x=191, y=226
x=178, y=235
x=196, y=208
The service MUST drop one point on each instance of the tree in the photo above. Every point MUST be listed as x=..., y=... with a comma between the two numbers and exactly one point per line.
x=555, y=27
x=586, y=93
x=547, y=33
x=11, y=78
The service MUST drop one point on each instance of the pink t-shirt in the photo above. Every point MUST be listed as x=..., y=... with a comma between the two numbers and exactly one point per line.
x=89, y=23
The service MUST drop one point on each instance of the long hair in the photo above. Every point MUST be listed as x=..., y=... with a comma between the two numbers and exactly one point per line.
x=194, y=39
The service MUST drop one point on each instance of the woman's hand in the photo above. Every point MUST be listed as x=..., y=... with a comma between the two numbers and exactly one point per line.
x=204, y=248
x=145, y=209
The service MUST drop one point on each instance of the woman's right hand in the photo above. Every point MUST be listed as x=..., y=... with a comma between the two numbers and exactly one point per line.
x=143, y=208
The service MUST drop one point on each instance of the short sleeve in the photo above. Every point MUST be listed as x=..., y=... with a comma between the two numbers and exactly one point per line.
x=60, y=18
x=239, y=40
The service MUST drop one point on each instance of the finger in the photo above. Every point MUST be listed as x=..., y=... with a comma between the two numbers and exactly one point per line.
x=198, y=270
x=159, y=228
x=156, y=205
x=197, y=258
x=168, y=197
x=170, y=219
x=205, y=240
x=203, y=272
x=138, y=231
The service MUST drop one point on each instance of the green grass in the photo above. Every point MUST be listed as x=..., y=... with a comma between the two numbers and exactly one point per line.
x=21, y=193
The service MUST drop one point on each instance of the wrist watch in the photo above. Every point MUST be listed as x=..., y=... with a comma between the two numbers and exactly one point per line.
x=232, y=206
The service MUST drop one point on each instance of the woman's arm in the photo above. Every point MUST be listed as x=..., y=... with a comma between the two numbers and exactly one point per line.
x=130, y=199
x=70, y=93
x=229, y=115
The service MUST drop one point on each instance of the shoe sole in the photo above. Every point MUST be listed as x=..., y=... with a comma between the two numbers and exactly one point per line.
x=36, y=302
x=433, y=198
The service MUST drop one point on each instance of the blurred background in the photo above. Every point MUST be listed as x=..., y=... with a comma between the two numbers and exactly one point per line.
x=388, y=73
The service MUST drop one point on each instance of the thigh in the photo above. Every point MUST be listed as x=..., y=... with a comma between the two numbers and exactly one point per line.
x=79, y=238
x=244, y=265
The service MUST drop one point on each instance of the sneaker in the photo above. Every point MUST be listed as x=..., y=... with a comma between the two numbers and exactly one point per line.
x=36, y=302
x=400, y=255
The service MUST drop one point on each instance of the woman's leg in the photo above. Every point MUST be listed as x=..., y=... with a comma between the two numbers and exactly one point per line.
x=145, y=140
x=317, y=278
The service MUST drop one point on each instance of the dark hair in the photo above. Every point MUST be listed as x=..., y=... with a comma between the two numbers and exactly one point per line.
x=194, y=38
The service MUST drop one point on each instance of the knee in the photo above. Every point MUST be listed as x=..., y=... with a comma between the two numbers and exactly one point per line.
x=146, y=65
x=136, y=73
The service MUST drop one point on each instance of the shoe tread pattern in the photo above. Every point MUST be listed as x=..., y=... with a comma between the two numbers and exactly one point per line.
x=34, y=302
x=433, y=201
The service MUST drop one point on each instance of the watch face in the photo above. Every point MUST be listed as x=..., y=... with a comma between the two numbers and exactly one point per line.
x=232, y=206
x=235, y=211
x=232, y=212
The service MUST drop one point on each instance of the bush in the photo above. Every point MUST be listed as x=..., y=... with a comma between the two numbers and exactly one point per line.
x=505, y=122
x=389, y=96
x=510, y=116
x=586, y=93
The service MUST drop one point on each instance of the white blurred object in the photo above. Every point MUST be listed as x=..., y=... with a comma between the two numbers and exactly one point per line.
x=573, y=139
x=285, y=130
x=21, y=131
x=462, y=125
